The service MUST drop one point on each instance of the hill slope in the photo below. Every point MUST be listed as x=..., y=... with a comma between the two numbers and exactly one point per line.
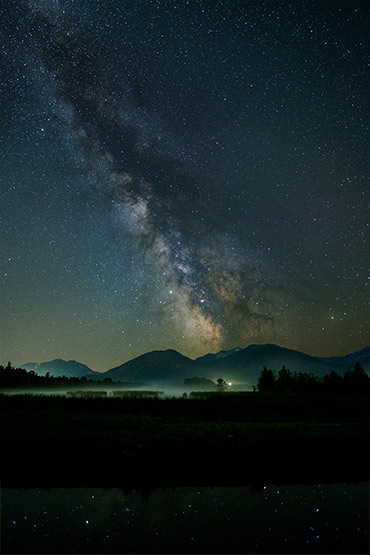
x=238, y=365
x=156, y=366
x=246, y=364
x=60, y=367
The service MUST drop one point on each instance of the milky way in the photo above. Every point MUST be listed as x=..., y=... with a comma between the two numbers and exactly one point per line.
x=215, y=150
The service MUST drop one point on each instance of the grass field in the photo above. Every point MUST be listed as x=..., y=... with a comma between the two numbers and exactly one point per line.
x=232, y=438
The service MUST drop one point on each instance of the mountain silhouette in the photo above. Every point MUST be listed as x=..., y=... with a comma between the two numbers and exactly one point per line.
x=211, y=358
x=238, y=366
x=362, y=356
x=245, y=365
x=156, y=366
x=60, y=367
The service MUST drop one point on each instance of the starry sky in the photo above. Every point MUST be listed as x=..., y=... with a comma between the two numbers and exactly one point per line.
x=183, y=174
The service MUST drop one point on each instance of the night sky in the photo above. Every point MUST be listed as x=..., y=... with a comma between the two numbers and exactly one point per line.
x=183, y=174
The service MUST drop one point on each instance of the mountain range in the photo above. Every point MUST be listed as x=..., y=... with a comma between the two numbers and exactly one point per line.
x=60, y=367
x=238, y=366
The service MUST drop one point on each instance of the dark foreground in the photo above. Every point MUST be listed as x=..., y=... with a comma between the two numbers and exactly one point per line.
x=231, y=439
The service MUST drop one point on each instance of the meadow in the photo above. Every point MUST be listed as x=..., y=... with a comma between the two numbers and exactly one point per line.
x=208, y=438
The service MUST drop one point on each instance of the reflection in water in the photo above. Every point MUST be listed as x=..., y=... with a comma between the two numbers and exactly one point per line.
x=276, y=519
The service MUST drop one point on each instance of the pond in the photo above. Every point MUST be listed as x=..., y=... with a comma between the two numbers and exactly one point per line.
x=321, y=518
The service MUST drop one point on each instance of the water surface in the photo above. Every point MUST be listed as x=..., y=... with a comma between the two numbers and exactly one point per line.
x=274, y=519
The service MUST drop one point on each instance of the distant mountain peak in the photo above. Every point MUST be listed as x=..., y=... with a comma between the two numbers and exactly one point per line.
x=155, y=366
x=266, y=345
x=239, y=365
x=166, y=351
x=60, y=367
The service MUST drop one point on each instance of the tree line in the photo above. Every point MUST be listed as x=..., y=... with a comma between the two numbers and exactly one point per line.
x=19, y=377
x=355, y=381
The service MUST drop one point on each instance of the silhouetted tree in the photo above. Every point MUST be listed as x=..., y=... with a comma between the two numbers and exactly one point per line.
x=221, y=384
x=356, y=380
x=332, y=383
x=266, y=381
x=19, y=377
x=284, y=382
x=304, y=382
